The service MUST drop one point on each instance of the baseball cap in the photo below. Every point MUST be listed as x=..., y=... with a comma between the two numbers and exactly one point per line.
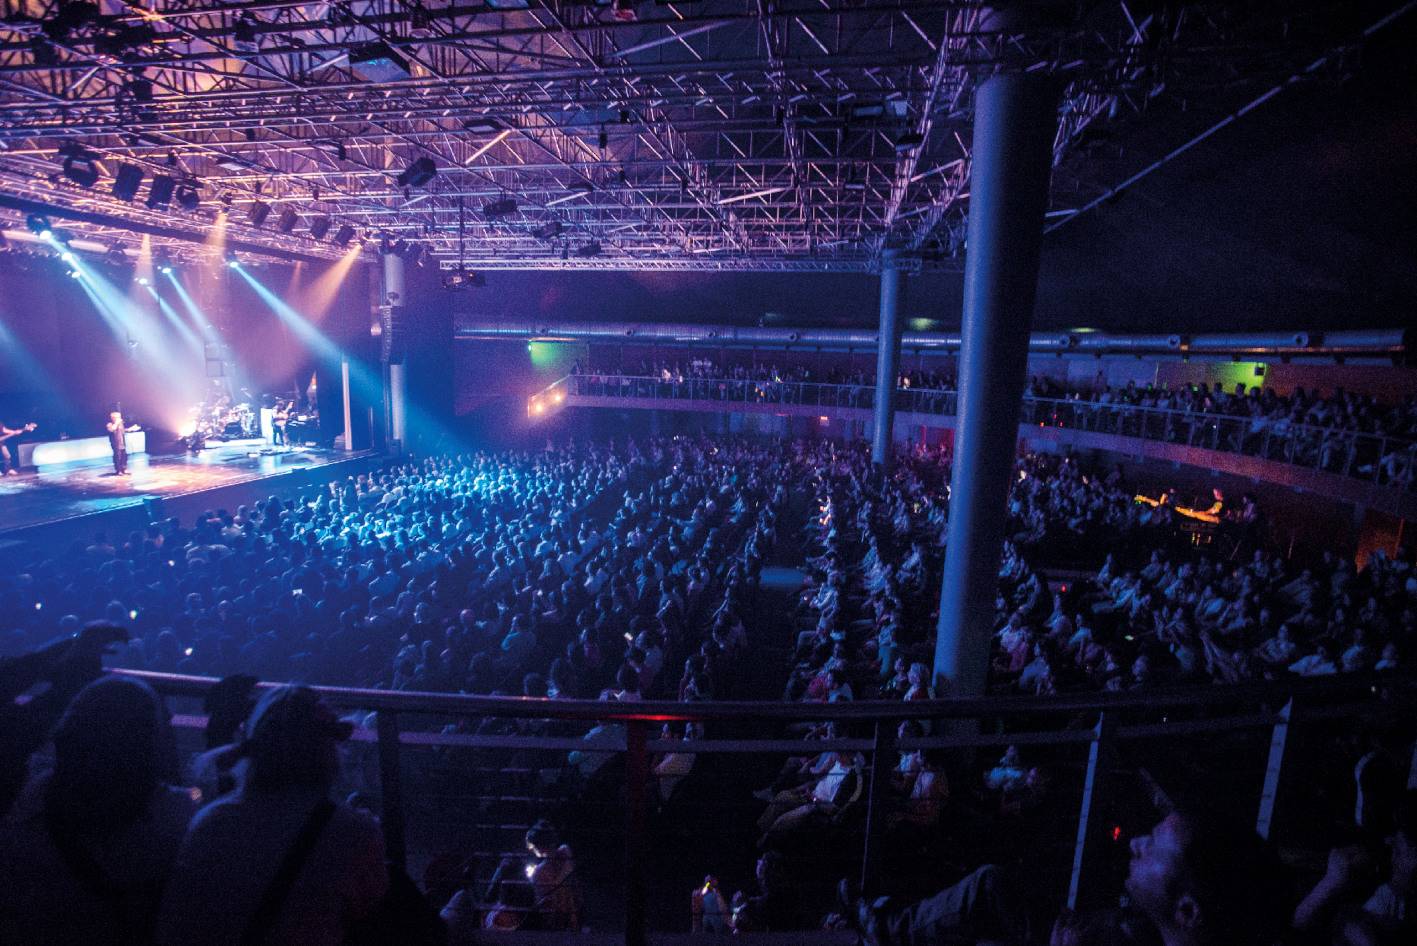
x=291, y=716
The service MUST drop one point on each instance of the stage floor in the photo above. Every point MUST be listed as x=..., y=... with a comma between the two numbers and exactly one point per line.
x=32, y=499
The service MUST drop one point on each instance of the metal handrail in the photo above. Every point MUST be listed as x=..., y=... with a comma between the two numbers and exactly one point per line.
x=1350, y=453
x=1160, y=699
x=1250, y=706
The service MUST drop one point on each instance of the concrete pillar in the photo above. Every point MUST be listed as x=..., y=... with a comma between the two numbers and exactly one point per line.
x=887, y=359
x=395, y=296
x=1014, y=123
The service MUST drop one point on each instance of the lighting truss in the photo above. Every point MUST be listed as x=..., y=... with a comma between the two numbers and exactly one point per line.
x=846, y=121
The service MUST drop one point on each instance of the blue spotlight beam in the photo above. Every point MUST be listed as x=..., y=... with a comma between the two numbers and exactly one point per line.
x=204, y=325
x=19, y=362
x=314, y=339
x=128, y=322
x=179, y=326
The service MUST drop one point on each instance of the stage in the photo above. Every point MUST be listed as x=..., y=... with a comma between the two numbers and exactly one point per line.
x=230, y=474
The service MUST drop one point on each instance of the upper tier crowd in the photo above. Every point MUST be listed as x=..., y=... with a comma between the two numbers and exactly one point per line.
x=587, y=571
x=1259, y=420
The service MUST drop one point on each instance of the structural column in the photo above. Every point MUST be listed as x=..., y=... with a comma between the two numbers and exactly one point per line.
x=1014, y=123
x=394, y=297
x=887, y=358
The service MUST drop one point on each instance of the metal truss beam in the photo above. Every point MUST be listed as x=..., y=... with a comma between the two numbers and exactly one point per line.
x=712, y=134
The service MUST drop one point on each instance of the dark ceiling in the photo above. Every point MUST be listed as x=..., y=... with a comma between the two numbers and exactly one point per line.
x=1300, y=214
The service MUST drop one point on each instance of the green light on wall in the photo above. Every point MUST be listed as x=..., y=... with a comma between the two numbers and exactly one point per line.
x=548, y=353
x=923, y=325
x=1249, y=373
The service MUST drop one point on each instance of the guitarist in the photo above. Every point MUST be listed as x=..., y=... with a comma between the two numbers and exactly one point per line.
x=7, y=465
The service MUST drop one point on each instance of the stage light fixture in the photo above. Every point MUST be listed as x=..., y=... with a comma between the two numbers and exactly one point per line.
x=187, y=196
x=418, y=173
x=44, y=53
x=258, y=213
x=457, y=282
x=288, y=219
x=333, y=147
x=413, y=254
x=500, y=208
x=69, y=17
x=80, y=165
x=40, y=226
x=244, y=32
x=378, y=62
x=140, y=89
x=909, y=140
x=231, y=260
x=160, y=191
x=73, y=274
x=482, y=125
x=548, y=231
x=344, y=234
x=587, y=250
x=142, y=280
x=319, y=227
x=126, y=181
x=67, y=256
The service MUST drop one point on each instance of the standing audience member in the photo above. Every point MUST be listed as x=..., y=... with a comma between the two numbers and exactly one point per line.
x=277, y=861
x=90, y=846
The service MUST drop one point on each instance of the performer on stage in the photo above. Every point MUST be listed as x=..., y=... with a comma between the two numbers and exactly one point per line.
x=116, y=439
x=7, y=465
x=279, y=419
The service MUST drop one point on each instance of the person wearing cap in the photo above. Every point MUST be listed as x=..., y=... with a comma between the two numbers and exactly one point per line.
x=229, y=870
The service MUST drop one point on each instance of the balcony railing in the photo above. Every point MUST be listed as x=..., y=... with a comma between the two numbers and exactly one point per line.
x=1385, y=461
x=1091, y=729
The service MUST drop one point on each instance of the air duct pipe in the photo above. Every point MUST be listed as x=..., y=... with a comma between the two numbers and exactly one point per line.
x=1273, y=344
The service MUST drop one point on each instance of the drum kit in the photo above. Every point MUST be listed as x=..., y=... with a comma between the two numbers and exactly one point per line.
x=222, y=420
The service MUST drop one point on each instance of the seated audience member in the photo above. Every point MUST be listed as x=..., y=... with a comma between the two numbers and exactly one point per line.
x=775, y=908
x=822, y=802
x=89, y=847
x=1349, y=906
x=1193, y=881
x=923, y=788
x=555, y=888
x=671, y=768
x=541, y=893
x=277, y=861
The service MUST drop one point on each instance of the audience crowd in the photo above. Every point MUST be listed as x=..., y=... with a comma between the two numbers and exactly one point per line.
x=1303, y=427
x=595, y=571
